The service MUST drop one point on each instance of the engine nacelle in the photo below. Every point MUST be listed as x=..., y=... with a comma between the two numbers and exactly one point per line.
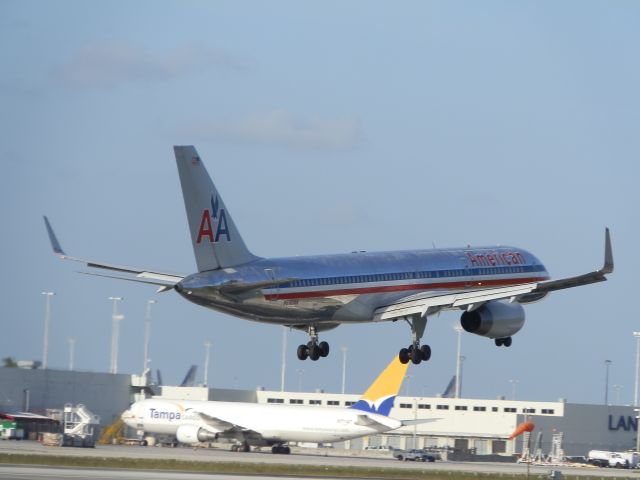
x=194, y=434
x=494, y=319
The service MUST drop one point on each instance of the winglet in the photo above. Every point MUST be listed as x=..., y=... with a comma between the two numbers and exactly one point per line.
x=57, y=249
x=608, y=254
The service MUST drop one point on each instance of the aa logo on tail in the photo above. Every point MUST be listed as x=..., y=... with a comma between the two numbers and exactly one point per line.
x=215, y=217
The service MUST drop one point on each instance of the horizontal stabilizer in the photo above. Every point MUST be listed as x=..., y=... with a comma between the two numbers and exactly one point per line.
x=419, y=421
x=366, y=421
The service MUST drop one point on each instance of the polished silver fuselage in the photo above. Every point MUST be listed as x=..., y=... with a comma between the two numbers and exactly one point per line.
x=327, y=290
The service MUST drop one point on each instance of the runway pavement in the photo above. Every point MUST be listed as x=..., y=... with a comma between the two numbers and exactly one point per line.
x=11, y=472
x=328, y=458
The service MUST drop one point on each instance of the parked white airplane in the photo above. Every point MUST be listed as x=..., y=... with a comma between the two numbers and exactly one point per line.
x=316, y=293
x=274, y=425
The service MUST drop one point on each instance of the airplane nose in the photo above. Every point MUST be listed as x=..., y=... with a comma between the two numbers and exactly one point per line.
x=128, y=417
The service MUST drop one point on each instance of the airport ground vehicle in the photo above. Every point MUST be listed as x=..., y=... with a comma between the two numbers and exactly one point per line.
x=379, y=448
x=414, y=455
x=603, y=458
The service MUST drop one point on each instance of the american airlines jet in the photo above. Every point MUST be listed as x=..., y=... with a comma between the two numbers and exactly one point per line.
x=247, y=424
x=318, y=293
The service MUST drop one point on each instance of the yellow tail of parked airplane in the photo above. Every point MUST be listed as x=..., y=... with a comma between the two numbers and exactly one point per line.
x=381, y=394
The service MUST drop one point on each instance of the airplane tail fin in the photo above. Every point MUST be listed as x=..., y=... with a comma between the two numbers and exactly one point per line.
x=216, y=240
x=381, y=394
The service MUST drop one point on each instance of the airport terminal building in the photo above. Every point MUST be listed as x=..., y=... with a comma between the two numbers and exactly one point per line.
x=471, y=427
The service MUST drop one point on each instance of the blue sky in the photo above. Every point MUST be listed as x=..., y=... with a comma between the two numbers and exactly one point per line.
x=327, y=127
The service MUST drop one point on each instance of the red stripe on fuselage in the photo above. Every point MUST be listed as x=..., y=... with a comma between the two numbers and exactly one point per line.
x=399, y=288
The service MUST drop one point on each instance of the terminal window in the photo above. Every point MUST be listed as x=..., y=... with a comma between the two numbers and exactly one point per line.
x=461, y=407
x=275, y=400
x=528, y=410
x=510, y=410
x=296, y=401
x=499, y=446
x=479, y=409
x=405, y=405
x=494, y=409
x=333, y=402
x=424, y=406
x=548, y=411
x=315, y=402
x=348, y=403
x=442, y=407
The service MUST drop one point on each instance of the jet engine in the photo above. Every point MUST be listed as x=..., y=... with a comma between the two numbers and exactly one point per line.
x=194, y=434
x=494, y=319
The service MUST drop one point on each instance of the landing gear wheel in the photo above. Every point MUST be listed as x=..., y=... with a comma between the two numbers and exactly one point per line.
x=426, y=352
x=282, y=449
x=234, y=448
x=403, y=356
x=498, y=342
x=506, y=341
x=244, y=448
x=303, y=352
x=324, y=349
x=416, y=356
x=314, y=351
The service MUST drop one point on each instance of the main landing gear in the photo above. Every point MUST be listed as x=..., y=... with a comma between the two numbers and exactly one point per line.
x=284, y=449
x=503, y=342
x=240, y=447
x=415, y=352
x=313, y=349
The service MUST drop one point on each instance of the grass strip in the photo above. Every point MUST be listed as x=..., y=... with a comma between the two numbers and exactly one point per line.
x=252, y=468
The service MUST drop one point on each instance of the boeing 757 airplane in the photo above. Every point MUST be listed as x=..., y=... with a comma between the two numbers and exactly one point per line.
x=247, y=424
x=317, y=293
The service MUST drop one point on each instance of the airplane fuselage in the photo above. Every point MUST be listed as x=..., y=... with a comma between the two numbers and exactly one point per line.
x=272, y=423
x=330, y=289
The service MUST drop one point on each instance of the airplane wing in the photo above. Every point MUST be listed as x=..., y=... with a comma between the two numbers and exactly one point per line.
x=426, y=303
x=166, y=281
x=228, y=429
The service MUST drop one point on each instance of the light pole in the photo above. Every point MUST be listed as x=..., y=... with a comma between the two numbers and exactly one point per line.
x=344, y=367
x=283, y=368
x=407, y=379
x=115, y=318
x=458, y=329
x=147, y=335
x=637, y=430
x=513, y=388
x=116, y=341
x=462, y=359
x=207, y=346
x=47, y=319
x=607, y=364
x=72, y=345
x=635, y=395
